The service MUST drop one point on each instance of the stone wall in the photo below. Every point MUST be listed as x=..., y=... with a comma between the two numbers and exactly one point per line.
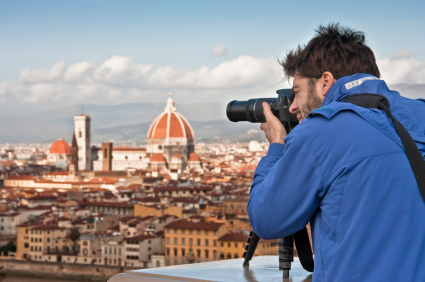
x=60, y=269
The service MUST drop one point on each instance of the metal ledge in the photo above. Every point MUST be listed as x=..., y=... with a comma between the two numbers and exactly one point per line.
x=263, y=268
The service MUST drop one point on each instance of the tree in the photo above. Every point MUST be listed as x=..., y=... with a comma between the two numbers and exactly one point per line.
x=74, y=235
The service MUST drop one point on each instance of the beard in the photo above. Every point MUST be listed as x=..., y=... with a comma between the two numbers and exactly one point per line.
x=313, y=101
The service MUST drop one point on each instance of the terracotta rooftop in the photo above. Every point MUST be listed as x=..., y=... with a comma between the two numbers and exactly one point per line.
x=21, y=177
x=140, y=238
x=110, y=204
x=60, y=147
x=235, y=237
x=184, y=224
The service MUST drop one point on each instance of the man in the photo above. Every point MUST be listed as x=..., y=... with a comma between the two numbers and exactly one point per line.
x=343, y=168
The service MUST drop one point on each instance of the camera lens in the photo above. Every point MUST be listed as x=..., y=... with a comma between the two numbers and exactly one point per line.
x=251, y=110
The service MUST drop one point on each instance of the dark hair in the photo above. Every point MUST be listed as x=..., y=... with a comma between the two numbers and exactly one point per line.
x=337, y=49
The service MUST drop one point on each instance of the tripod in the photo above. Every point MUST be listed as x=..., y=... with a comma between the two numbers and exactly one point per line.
x=286, y=251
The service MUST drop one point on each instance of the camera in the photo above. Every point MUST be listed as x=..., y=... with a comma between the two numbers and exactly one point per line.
x=252, y=110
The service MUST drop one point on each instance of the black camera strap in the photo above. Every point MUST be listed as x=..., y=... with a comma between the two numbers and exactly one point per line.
x=416, y=160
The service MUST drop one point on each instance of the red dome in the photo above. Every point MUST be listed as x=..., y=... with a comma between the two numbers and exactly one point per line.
x=159, y=158
x=170, y=124
x=60, y=147
x=194, y=157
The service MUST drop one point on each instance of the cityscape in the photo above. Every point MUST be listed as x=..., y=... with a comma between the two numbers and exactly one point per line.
x=170, y=202
x=118, y=158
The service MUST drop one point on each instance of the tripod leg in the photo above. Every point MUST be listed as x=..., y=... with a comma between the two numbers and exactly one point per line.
x=286, y=254
x=250, y=247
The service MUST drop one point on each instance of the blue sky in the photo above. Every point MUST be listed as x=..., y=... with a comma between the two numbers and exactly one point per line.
x=181, y=35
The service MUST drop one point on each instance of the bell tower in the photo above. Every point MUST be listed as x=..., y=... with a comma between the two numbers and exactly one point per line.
x=82, y=134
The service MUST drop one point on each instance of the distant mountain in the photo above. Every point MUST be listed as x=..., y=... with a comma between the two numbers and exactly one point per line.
x=122, y=122
x=205, y=131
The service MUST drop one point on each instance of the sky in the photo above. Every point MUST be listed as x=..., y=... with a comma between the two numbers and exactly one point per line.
x=59, y=53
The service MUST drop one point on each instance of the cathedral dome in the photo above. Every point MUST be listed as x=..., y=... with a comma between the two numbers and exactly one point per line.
x=194, y=157
x=158, y=158
x=170, y=124
x=60, y=147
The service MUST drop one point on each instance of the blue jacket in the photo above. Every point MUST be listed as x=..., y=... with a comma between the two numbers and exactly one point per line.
x=344, y=170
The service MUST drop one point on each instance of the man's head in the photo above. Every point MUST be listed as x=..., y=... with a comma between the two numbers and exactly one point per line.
x=333, y=53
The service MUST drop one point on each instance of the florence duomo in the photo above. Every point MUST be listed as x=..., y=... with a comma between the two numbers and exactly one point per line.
x=169, y=149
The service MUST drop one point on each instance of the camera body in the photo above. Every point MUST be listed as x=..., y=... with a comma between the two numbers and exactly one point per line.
x=252, y=110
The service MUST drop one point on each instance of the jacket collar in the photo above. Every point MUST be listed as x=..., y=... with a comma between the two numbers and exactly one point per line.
x=353, y=84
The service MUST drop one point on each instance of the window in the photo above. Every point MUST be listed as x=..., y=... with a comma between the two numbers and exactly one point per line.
x=236, y=255
x=221, y=255
x=199, y=232
x=206, y=253
x=229, y=255
x=183, y=252
x=236, y=245
x=36, y=240
x=182, y=231
x=85, y=251
x=168, y=240
x=26, y=245
x=214, y=254
x=215, y=243
x=48, y=239
x=228, y=244
x=183, y=241
x=199, y=242
x=168, y=231
x=84, y=243
x=214, y=233
x=105, y=153
x=175, y=252
x=80, y=135
x=206, y=232
x=175, y=231
x=168, y=251
x=31, y=249
x=206, y=242
x=175, y=241
x=198, y=252
x=190, y=231
x=190, y=242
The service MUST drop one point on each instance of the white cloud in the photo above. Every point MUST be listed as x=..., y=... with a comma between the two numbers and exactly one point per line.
x=43, y=75
x=403, y=67
x=220, y=50
x=120, y=80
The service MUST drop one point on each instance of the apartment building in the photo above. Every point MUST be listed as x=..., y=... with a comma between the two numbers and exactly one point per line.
x=48, y=243
x=187, y=242
x=232, y=245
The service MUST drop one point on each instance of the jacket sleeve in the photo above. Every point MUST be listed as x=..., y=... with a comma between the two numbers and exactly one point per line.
x=286, y=189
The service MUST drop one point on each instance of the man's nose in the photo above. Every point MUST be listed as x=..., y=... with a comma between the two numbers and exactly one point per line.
x=294, y=106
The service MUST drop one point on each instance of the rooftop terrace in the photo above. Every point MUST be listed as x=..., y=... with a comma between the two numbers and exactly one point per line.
x=263, y=268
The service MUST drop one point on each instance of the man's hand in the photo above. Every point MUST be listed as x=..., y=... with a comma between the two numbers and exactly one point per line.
x=273, y=129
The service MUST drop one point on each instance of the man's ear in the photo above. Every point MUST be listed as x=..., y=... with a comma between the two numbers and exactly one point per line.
x=325, y=83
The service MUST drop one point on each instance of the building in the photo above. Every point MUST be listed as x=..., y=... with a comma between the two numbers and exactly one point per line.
x=187, y=242
x=232, y=245
x=48, y=243
x=60, y=150
x=8, y=222
x=139, y=249
x=82, y=133
x=170, y=147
